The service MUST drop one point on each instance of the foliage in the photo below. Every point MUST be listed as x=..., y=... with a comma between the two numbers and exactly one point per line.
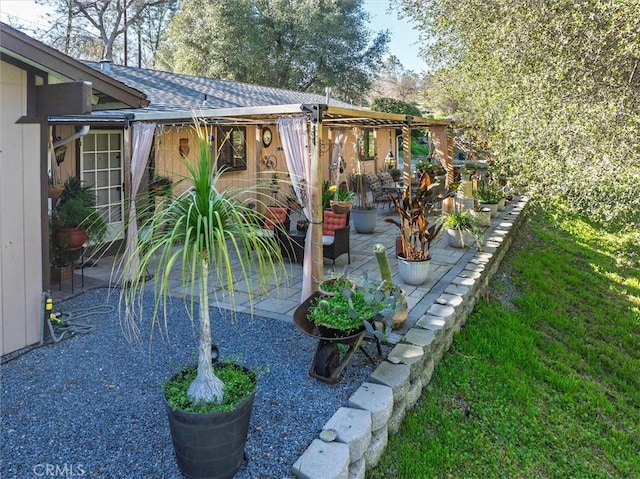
x=542, y=381
x=238, y=384
x=395, y=82
x=416, y=231
x=459, y=220
x=359, y=186
x=351, y=307
x=489, y=193
x=196, y=235
x=391, y=105
x=75, y=207
x=328, y=192
x=553, y=90
x=297, y=44
x=462, y=221
x=94, y=30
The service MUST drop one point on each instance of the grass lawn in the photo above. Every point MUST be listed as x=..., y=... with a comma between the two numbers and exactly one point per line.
x=544, y=380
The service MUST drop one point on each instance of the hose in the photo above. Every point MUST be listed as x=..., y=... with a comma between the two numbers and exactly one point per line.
x=67, y=323
x=61, y=325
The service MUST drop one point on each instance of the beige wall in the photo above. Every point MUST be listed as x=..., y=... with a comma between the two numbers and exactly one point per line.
x=20, y=226
x=168, y=161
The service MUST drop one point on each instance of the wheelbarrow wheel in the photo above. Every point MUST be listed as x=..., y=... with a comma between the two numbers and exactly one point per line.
x=327, y=359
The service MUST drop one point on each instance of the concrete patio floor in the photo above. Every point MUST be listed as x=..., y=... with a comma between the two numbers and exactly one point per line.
x=285, y=297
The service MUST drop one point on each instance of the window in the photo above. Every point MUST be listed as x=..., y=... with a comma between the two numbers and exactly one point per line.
x=232, y=146
x=367, y=145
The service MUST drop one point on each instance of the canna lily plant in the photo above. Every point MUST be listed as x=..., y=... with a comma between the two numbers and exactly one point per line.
x=197, y=234
x=416, y=232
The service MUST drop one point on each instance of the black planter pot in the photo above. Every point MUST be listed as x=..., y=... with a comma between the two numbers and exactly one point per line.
x=210, y=445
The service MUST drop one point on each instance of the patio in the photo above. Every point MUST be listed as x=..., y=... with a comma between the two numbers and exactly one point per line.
x=280, y=303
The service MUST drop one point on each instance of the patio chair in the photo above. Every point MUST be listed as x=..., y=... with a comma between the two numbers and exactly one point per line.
x=277, y=217
x=335, y=235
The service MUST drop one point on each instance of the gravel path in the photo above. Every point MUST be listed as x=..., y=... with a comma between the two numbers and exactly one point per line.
x=92, y=405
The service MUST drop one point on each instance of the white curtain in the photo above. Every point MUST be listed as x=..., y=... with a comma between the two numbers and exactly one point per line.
x=338, y=146
x=142, y=138
x=295, y=143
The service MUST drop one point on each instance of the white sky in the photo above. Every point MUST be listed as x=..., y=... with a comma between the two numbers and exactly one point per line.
x=402, y=45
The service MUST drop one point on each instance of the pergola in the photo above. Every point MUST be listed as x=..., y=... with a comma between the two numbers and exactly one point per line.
x=320, y=117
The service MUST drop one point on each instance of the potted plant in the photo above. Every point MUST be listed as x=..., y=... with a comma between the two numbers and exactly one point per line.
x=364, y=214
x=417, y=231
x=489, y=196
x=352, y=309
x=461, y=229
x=341, y=202
x=74, y=218
x=202, y=227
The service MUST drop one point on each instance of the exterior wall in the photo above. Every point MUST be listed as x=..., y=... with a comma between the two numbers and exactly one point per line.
x=20, y=224
x=168, y=161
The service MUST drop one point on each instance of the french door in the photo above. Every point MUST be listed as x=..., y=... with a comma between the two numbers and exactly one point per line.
x=101, y=166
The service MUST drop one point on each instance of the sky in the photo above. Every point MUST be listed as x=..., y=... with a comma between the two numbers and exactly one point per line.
x=403, y=38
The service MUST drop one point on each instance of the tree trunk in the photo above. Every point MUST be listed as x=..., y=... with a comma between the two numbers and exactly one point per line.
x=206, y=387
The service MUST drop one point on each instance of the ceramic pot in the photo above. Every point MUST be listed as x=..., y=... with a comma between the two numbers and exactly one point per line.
x=413, y=272
x=459, y=238
x=364, y=220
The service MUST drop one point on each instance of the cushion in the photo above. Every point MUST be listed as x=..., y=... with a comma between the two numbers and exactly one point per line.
x=333, y=221
x=274, y=216
x=328, y=240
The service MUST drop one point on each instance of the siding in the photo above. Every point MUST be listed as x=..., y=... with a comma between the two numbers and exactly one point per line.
x=20, y=228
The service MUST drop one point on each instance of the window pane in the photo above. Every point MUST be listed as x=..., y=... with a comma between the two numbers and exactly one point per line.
x=102, y=196
x=88, y=143
x=114, y=160
x=103, y=141
x=114, y=141
x=89, y=161
x=103, y=161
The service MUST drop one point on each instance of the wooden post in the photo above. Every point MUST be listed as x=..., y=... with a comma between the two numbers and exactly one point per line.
x=317, y=132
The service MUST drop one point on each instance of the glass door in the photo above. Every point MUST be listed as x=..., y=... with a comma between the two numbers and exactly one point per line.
x=101, y=166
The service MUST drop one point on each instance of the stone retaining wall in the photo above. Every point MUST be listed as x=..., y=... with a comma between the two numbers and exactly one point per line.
x=355, y=437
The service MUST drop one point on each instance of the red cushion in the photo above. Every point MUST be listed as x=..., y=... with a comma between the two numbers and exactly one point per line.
x=333, y=221
x=274, y=216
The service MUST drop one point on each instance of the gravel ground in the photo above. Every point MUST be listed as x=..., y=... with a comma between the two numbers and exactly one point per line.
x=92, y=405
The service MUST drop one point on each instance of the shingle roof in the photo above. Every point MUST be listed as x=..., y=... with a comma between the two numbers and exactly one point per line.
x=168, y=91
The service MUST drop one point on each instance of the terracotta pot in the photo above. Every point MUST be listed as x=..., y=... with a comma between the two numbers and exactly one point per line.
x=70, y=238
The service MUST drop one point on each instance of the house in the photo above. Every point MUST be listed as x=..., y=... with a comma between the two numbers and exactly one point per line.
x=100, y=149
x=36, y=82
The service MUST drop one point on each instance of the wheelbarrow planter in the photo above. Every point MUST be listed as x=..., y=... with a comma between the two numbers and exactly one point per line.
x=328, y=362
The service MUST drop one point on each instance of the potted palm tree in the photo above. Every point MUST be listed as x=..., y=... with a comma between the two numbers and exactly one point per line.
x=202, y=228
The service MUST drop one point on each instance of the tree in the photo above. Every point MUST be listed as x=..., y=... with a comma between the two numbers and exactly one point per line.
x=202, y=228
x=553, y=87
x=294, y=44
x=391, y=105
x=394, y=81
x=94, y=29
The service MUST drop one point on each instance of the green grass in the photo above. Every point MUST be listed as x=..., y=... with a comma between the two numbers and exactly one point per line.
x=544, y=380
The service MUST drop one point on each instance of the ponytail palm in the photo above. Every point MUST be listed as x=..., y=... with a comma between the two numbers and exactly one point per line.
x=203, y=234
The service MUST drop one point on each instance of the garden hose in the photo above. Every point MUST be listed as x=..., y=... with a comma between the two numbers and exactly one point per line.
x=59, y=325
x=66, y=323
